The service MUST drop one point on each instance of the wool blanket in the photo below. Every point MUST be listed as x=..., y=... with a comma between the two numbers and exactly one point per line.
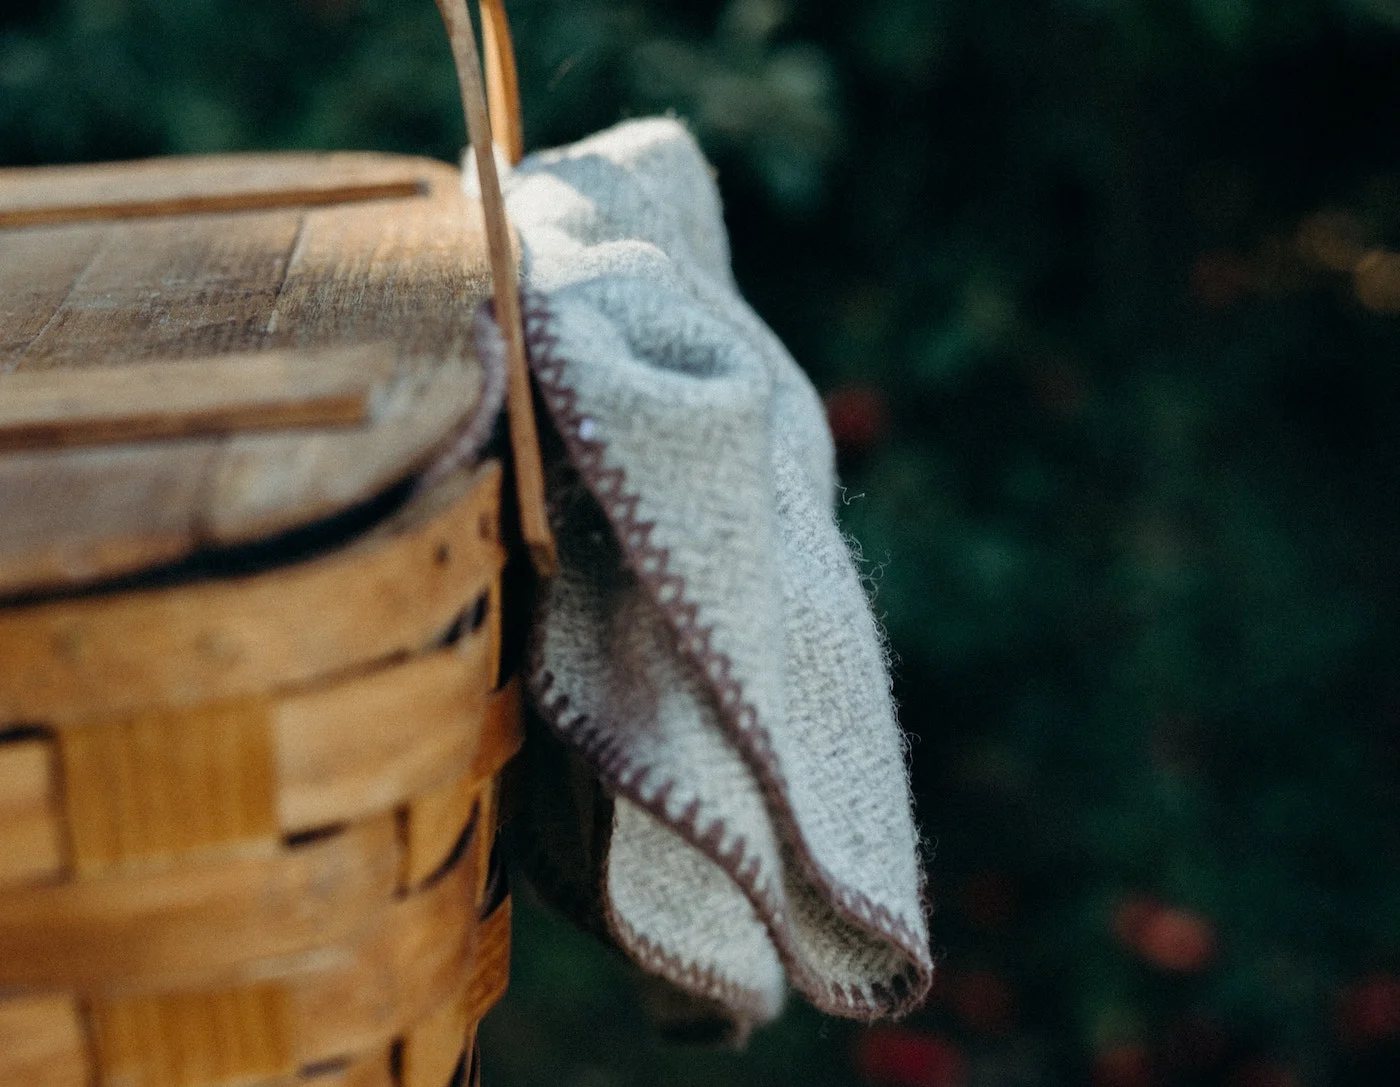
x=707, y=653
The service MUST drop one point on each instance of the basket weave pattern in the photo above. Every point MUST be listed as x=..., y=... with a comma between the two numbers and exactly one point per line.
x=246, y=821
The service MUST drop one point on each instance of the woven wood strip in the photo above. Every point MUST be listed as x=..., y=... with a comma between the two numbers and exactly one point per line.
x=190, y=1039
x=494, y=604
x=76, y=659
x=436, y=817
x=422, y=956
x=505, y=731
x=435, y=824
x=343, y=752
x=200, y=925
x=535, y=530
x=349, y=749
x=432, y=1049
x=167, y=783
x=491, y=971
x=31, y=846
x=42, y=1043
x=376, y=1070
x=489, y=812
x=421, y=963
x=502, y=80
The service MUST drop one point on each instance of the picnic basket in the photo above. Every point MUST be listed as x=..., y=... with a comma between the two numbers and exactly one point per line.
x=254, y=703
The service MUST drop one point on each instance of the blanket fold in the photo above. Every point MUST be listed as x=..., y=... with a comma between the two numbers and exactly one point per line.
x=708, y=650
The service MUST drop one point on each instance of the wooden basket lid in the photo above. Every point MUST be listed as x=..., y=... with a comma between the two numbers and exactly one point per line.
x=204, y=351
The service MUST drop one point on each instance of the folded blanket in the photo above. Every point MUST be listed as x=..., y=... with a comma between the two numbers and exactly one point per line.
x=707, y=652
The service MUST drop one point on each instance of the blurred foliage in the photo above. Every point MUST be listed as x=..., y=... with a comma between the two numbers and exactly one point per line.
x=1102, y=294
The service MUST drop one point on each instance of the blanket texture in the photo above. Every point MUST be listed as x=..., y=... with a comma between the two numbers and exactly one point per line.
x=707, y=653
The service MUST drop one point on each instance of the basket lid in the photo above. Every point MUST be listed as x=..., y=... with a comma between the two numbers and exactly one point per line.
x=205, y=351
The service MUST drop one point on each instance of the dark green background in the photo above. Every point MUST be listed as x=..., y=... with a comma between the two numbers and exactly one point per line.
x=1129, y=512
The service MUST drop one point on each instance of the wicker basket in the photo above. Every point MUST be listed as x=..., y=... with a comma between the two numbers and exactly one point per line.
x=246, y=838
x=253, y=714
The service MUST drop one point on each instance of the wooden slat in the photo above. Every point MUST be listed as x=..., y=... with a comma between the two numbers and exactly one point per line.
x=413, y=277
x=202, y=184
x=490, y=816
x=350, y=749
x=261, y=391
x=164, y=784
x=437, y=817
x=168, y=289
x=73, y=517
x=436, y=822
x=393, y=592
x=502, y=734
x=194, y=1039
x=374, y=1070
x=31, y=847
x=42, y=1043
x=408, y=270
x=491, y=967
x=37, y=270
x=343, y=752
x=261, y=484
x=197, y=926
x=433, y=1047
x=426, y=962
x=405, y=274
x=124, y=508
x=419, y=957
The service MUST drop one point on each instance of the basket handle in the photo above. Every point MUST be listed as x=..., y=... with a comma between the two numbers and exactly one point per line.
x=502, y=81
x=524, y=436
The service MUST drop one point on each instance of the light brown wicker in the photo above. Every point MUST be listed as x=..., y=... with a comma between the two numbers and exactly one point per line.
x=245, y=824
x=253, y=715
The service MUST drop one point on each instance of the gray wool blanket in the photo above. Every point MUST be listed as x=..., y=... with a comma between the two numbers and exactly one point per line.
x=707, y=653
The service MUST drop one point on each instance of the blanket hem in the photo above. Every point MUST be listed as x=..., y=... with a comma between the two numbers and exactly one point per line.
x=649, y=563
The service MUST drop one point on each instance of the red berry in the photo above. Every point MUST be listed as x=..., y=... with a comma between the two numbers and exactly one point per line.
x=1178, y=941
x=1370, y=1009
x=1170, y=938
x=859, y=416
x=900, y=1057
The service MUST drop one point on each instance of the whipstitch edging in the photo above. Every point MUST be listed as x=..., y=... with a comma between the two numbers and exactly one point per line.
x=650, y=564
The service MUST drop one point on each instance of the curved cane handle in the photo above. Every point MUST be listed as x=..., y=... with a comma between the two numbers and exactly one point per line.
x=502, y=81
x=524, y=437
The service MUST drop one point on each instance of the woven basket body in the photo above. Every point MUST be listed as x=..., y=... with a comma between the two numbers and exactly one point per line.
x=252, y=715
